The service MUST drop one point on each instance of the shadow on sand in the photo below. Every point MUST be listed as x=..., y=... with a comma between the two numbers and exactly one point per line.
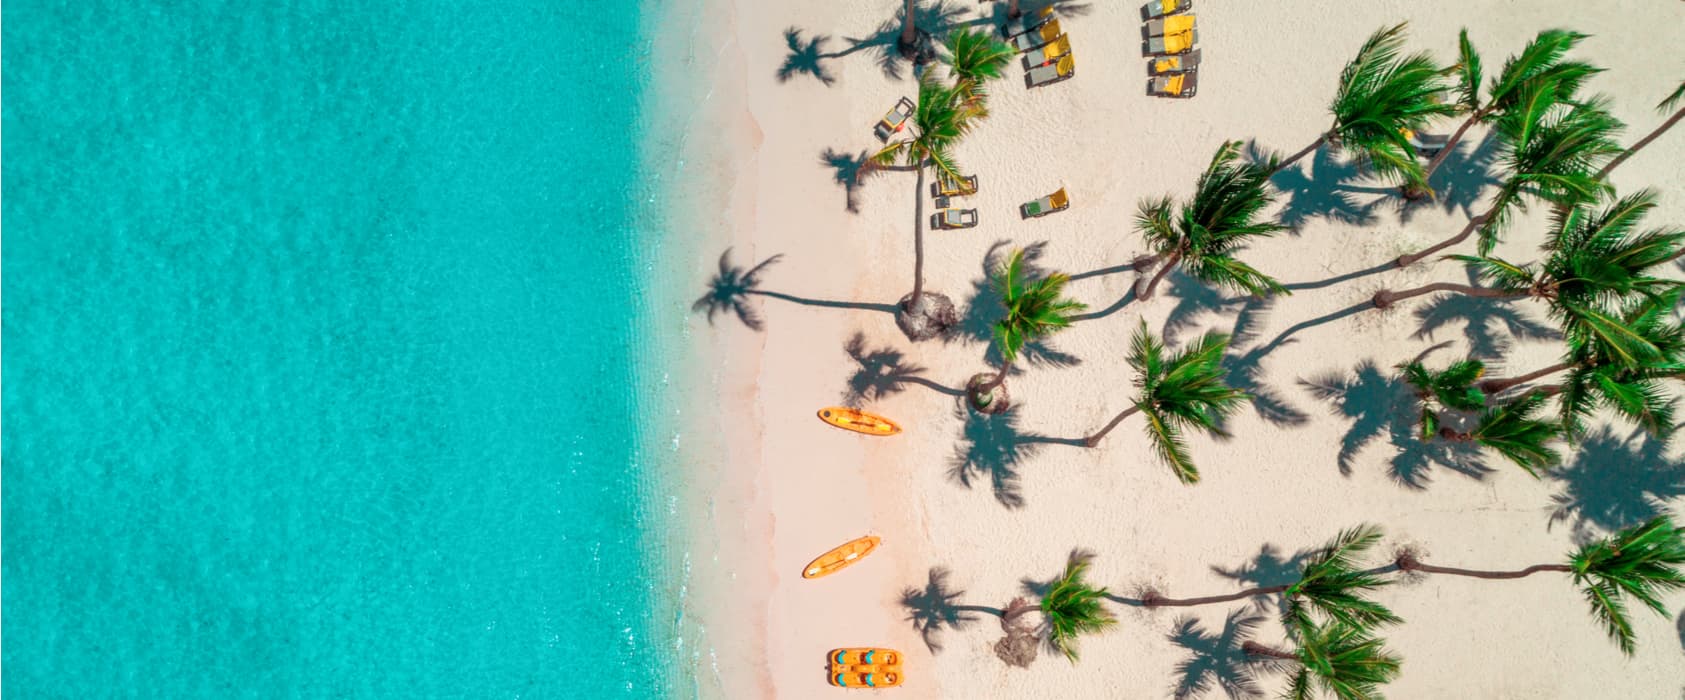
x=1380, y=403
x=1216, y=661
x=934, y=608
x=1614, y=482
x=983, y=310
x=1480, y=318
x=993, y=448
x=883, y=372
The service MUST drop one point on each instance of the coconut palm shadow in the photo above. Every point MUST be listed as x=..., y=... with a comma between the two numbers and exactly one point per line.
x=983, y=310
x=1269, y=568
x=806, y=57
x=1245, y=370
x=934, y=608
x=993, y=448
x=1460, y=180
x=1380, y=404
x=850, y=170
x=932, y=19
x=1480, y=319
x=883, y=372
x=1615, y=482
x=1216, y=661
x=1327, y=189
x=730, y=288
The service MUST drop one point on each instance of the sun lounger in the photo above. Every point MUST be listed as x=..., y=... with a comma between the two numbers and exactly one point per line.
x=1027, y=22
x=1174, y=84
x=896, y=119
x=1180, y=42
x=1173, y=64
x=1426, y=145
x=1058, y=201
x=945, y=186
x=1063, y=69
x=1030, y=40
x=1160, y=8
x=1174, y=24
x=948, y=219
x=1049, y=53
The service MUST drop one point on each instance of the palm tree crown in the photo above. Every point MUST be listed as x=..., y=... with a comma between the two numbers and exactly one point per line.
x=1178, y=390
x=941, y=118
x=1330, y=583
x=1034, y=307
x=976, y=57
x=1072, y=607
x=1642, y=562
x=1605, y=375
x=1453, y=387
x=1208, y=231
x=1383, y=94
x=1342, y=660
x=1551, y=146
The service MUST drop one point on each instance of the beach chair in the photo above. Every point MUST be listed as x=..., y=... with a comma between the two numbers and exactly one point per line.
x=1027, y=22
x=1173, y=64
x=950, y=219
x=1058, y=201
x=1050, y=74
x=945, y=186
x=1426, y=145
x=1174, y=24
x=1030, y=40
x=1049, y=53
x=895, y=119
x=1180, y=42
x=1160, y=8
x=1173, y=84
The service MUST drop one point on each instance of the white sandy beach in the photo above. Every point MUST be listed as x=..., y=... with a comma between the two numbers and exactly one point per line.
x=783, y=487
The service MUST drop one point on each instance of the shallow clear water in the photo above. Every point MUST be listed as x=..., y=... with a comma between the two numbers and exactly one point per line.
x=318, y=362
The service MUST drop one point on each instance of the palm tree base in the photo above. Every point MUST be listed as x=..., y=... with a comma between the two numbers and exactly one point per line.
x=931, y=316
x=996, y=401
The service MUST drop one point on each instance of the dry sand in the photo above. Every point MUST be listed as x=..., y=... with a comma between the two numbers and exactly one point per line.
x=785, y=487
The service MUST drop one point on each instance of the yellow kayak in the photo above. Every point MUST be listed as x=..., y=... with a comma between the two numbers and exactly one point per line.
x=858, y=421
x=839, y=558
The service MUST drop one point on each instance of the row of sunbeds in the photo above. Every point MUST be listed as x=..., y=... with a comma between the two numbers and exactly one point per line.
x=1170, y=38
x=1046, y=48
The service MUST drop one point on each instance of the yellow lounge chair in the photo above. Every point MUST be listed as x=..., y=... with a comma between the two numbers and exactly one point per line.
x=1175, y=24
x=946, y=186
x=895, y=119
x=1049, y=53
x=1160, y=8
x=1050, y=74
x=1180, y=42
x=1174, y=84
x=1030, y=40
x=1174, y=64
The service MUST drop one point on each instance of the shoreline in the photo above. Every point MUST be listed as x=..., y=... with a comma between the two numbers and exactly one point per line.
x=775, y=487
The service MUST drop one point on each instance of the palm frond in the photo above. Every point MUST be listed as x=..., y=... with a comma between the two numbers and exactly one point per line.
x=1541, y=63
x=1331, y=583
x=1072, y=607
x=1672, y=100
x=1514, y=431
x=1642, y=562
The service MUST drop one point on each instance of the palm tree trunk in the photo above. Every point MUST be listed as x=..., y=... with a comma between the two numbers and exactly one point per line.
x=918, y=242
x=1412, y=258
x=1169, y=263
x=1094, y=439
x=1409, y=563
x=1257, y=649
x=1450, y=146
x=1641, y=143
x=1387, y=297
x=1493, y=386
x=1153, y=600
x=997, y=381
x=1012, y=11
x=909, y=32
x=1301, y=154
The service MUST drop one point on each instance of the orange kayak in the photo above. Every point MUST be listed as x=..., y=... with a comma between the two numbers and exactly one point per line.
x=858, y=421
x=839, y=558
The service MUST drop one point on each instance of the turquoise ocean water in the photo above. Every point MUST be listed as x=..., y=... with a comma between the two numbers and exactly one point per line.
x=321, y=352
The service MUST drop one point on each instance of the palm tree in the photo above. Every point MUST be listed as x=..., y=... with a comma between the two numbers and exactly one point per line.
x=941, y=119
x=1541, y=62
x=1208, y=231
x=1601, y=377
x=1177, y=391
x=1596, y=260
x=1339, y=659
x=907, y=43
x=1642, y=561
x=1381, y=95
x=1549, y=144
x=1450, y=388
x=1673, y=100
x=1514, y=430
x=974, y=58
x=1072, y=607
x=1330, y=583
x=1034, y=310
x=730, y=290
